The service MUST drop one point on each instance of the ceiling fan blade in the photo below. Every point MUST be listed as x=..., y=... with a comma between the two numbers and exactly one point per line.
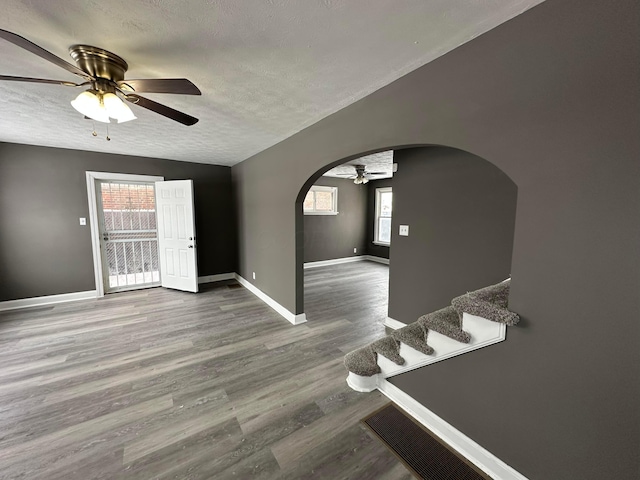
x=180, y=86
x=41, y=52
x=38, y=80
x=377, y=173
x=161, y=109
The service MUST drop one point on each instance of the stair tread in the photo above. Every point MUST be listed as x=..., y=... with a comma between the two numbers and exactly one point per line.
x=446, y=321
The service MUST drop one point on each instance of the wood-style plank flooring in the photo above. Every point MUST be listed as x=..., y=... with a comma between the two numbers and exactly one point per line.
x=165, y=384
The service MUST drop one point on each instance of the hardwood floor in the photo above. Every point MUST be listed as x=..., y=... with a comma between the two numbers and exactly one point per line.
x=164, y=384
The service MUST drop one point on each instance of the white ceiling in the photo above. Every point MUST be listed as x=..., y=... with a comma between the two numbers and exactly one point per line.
x=266, y=69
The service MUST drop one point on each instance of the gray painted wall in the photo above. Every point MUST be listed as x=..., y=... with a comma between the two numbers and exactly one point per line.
x=371, y=248
x=43, y=192
x=551, y=98
x=461, y=215
x=335, y=236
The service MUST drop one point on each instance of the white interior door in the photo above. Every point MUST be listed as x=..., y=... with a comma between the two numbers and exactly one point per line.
x=177, y=235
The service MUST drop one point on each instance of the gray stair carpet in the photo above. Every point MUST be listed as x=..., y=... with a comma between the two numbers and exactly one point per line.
x=447, y=321
x=414, y=335
x=363, y=361
x=490, y=302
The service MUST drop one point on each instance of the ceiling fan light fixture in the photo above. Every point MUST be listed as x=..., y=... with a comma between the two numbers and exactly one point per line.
x=105, y=71
x=116, y=108
x=88, y=103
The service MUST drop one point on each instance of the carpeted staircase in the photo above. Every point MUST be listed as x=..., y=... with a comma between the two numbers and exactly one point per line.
x=473, y=320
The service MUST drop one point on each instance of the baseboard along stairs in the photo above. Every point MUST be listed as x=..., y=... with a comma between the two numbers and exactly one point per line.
x=472, y=321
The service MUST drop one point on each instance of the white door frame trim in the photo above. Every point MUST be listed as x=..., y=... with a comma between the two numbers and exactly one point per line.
x=93, y=215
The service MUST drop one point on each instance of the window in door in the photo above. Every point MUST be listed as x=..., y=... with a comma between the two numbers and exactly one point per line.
x=382, y=228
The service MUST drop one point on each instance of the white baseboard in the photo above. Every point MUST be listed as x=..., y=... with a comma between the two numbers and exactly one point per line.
x=89, y=294
x=338, y=261
x=372, y=258
x=47, y=300
x=479, y=456
x=71, y=297
x=393, y=324
x=217, y=278
x=334, y=261
x=291, y=317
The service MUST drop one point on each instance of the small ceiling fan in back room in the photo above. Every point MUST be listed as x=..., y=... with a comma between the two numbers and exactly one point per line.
x=362, y=176
x=103, y=73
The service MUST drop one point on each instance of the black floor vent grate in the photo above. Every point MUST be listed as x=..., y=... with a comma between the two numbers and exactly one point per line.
x=418, y=449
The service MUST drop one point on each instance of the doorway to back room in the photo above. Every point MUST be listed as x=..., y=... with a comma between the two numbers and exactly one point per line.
x=347, y=220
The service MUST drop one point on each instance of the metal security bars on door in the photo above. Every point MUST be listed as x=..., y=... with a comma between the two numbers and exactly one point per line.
x=128, y=235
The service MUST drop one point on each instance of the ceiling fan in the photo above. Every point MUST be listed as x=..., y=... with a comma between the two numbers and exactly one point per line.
x=362, y=176
x=104, y=73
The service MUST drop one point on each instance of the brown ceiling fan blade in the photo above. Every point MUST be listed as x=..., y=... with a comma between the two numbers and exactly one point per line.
x=41, y=52
x=180, y=86
x=162, y=109
x=39, y=80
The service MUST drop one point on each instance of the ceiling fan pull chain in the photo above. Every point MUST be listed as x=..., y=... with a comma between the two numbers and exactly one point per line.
x=94, y=133
x=108, y=138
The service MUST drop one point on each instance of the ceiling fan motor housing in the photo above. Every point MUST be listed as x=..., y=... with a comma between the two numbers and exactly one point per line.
x=99, y=63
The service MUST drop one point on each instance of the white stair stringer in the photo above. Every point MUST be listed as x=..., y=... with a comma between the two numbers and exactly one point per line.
x=483, y=333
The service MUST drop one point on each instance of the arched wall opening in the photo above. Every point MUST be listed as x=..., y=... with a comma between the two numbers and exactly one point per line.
x=460, y=209
x=559, y=121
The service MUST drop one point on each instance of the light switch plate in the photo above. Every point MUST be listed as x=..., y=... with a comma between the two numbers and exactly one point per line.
x=404, y=230
x=83, y=221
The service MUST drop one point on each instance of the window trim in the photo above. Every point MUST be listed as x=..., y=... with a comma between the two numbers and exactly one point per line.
x=334, y=196
x=379, y=192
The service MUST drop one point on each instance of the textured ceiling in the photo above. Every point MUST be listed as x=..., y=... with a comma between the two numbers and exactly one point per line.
x=376, y=162
x=266, y=69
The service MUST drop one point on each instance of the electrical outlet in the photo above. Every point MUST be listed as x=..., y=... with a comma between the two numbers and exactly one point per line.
x=355, y=250
x=254, y=275
x=404, y=230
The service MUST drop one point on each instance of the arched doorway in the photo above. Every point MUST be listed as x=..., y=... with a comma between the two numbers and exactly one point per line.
x=460, y=213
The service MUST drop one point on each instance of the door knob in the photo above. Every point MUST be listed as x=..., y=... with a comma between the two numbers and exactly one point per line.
x=190, y=246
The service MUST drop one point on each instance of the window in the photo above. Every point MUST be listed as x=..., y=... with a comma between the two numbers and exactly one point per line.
x=384, y=200
x=321, y=201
